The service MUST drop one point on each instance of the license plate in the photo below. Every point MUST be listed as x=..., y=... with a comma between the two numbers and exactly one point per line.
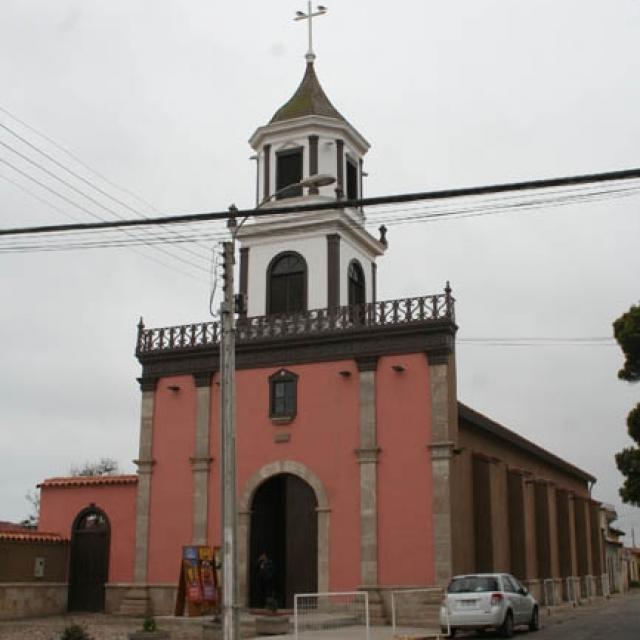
x=468, y=603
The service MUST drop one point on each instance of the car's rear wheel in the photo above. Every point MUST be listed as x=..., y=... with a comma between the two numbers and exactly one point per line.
x=534, y=623
x=506, y=629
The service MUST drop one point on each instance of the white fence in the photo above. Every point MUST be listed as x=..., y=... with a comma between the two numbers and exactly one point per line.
x=549, y=591
x=315, y=614
x=416, y=611
x=572, y=591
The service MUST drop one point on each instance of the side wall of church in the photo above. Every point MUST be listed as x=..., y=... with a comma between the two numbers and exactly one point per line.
x=59, y=507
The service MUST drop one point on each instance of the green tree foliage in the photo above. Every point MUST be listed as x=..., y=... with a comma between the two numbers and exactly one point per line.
x=633, y=423
x=626, y=330
x=628, y=461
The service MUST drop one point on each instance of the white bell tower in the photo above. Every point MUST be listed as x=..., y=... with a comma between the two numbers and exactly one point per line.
x=313, y=260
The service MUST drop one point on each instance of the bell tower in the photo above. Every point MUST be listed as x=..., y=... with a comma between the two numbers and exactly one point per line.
x=308, y=152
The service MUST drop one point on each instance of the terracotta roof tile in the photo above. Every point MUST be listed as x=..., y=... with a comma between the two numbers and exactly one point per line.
x=85, y=481
x=32, y=536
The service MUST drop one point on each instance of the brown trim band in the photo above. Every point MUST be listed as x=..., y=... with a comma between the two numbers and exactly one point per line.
x=374, y=282
x=266, y=187
x=333, y=270
x=147, y=383
x=203, y=378
x=244, y=277
x=367, y=342
x=340, y=167
x=367, y=363
x=313, y=160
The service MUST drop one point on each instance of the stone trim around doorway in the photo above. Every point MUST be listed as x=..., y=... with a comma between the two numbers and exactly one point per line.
x=244, y=520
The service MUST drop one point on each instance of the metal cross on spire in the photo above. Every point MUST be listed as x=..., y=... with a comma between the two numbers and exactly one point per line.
x=310, y=15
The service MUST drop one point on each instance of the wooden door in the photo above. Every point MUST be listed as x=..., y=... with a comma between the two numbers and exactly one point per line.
x=284, y=526
x=89, y=566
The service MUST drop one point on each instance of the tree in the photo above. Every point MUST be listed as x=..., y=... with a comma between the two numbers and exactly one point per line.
x=33, y=498
x=626, y=330
x=104, y=467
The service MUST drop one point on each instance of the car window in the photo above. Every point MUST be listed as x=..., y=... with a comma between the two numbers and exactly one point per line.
x=509, y=584
x=473, y=584
x=517, y=583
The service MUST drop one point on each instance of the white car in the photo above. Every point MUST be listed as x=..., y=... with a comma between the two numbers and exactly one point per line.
x=483, y=601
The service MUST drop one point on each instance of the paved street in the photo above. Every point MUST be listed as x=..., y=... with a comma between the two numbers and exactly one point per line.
x=617, y=619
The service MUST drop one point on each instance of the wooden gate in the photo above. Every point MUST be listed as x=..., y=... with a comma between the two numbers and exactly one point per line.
x=89, y=566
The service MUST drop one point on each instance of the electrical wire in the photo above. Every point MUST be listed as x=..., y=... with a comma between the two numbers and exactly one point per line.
x=81, y=207
x=414, y=215
x=64, y=213
x=84, y=180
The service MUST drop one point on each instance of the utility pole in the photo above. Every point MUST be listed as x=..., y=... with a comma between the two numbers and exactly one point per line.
x=230, y=622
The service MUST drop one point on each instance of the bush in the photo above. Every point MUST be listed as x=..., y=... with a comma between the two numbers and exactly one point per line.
x=149, y=624
x=634, y=584
x=75, y=632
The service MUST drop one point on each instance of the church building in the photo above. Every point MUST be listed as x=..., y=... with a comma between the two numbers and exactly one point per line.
x=357, y=466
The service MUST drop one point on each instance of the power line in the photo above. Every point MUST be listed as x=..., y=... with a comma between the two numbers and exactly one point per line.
x=63, y=241
x=75, y=204
x=64, y=213
x=82, y=179
x=630, y=174
x=73, y=156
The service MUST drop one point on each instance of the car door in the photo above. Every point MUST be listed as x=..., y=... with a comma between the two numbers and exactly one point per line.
x=512, y=595
x=526, y=601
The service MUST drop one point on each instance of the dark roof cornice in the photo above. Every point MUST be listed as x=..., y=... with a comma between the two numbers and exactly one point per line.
x=502, y=433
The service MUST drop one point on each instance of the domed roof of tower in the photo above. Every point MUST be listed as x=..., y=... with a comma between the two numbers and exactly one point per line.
x=308, y=100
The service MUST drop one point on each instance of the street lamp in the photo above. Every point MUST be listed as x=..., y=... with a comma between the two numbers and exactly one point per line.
x=230, y=604
x=318, y=180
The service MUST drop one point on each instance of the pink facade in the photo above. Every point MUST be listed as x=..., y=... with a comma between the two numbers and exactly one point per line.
x=61, y=503
x=404, y=474
x=170, y=506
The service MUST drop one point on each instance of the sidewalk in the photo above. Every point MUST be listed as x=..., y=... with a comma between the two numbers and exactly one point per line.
x=107, y=627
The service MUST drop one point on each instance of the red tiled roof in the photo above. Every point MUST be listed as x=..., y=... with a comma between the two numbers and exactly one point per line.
x=12, y=526
x=83, y=481
x=32, y=536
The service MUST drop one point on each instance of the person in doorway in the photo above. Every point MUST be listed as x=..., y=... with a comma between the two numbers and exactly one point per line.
x=266, y=580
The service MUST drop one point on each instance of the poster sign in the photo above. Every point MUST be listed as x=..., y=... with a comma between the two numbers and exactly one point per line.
x=198, y=586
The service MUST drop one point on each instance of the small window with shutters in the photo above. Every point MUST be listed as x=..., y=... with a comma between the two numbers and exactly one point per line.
x=283, y=391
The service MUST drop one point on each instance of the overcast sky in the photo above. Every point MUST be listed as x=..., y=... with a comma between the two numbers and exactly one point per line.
x=161, y=98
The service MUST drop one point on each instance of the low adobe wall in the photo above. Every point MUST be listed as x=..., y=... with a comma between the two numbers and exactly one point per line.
x=162, y=597
x=31, y=599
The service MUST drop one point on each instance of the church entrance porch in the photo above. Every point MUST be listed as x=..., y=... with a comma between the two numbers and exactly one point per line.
x=284, y=526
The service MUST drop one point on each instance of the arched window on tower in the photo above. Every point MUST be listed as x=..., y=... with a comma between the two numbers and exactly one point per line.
x=356, y=291
x=356, y=284
x=287, y=284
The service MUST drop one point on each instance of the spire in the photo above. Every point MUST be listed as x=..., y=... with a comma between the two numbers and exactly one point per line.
x=308, y=100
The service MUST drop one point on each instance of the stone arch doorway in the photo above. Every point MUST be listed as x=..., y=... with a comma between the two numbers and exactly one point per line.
x=89, y=563
x=246, y=551
x=284, y=525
